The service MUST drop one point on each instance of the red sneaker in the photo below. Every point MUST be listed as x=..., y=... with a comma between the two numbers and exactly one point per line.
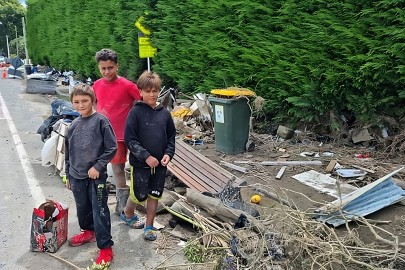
x=82, y=238
x=105, y=256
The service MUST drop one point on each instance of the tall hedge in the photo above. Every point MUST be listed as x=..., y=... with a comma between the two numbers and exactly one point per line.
x=67, y=35
x=310, y=60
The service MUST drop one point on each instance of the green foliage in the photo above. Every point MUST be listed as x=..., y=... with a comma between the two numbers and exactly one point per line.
x=197, y=253
x=11, y=13
x=67, y=35
x=308, y=59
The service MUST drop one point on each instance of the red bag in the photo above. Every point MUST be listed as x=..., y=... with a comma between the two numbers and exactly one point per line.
x=49, y=228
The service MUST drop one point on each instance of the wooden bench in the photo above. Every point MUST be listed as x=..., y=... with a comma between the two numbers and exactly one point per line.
x=198, y=172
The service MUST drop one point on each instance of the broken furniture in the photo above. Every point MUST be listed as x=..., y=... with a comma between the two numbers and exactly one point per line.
x=198, y=172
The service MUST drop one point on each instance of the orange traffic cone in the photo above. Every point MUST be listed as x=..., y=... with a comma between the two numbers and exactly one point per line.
x=4, y=75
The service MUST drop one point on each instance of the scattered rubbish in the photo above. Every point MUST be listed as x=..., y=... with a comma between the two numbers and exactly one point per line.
x=361, y=155
x=181, y=112
x=309, y=154
x=331, y=166
x=363, y=169
x=281, y=172
x=250, y=146
x=287, y=163
x=327, y=154
x=181, y=243
x=323, y=138
x=324, y=183
x=49, y=227
x=242, y=162
x=255, y=199
x=361, y=136
x=285, y=132
x=61, y=109
x=362, y=202
x=233, y=166
x=242, y=222
x=274, y=246
x=246, y=208
x=384, y=132
x=192, y=141
x=350, y=173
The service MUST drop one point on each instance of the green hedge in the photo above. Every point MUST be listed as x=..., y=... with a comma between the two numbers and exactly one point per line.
x=309, y=59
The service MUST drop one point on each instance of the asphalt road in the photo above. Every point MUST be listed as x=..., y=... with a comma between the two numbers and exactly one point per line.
x=25, y=184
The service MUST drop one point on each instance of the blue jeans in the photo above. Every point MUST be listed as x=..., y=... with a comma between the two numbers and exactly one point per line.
x=92, y=209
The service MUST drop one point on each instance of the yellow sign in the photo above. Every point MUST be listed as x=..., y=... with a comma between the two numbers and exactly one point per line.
x=146, y=49
x=141, y=28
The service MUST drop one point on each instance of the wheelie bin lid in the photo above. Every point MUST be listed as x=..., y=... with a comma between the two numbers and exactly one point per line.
x=233, y=92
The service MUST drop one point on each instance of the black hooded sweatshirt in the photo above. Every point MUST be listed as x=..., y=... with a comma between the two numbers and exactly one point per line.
x=149, y=131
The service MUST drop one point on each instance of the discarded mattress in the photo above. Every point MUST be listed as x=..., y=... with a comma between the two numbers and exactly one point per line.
x=362, y=202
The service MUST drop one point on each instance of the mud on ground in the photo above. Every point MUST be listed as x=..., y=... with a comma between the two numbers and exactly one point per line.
x=268, y=148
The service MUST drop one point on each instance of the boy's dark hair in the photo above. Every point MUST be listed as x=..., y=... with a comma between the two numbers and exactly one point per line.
x=105, y=55
x=83, y=89
x=149, y=80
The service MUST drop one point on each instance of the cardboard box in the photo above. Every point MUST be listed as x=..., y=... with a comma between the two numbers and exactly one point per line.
x=63, y=129
x=49, y=228
x=61, y=144
x=60, y=161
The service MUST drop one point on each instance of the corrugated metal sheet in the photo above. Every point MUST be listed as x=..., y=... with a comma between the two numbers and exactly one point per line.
x=364, y=201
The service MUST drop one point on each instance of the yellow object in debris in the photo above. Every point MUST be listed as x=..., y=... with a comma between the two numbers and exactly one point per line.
x=233, y=92
x=182, y=112
x=255, y=198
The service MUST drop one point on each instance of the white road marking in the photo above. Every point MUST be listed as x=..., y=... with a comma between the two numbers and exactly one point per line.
x=35, y=188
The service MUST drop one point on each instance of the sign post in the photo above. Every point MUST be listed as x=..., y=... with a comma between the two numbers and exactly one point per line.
x=146, y=50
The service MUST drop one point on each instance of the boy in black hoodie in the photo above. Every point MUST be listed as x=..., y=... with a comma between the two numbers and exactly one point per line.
x=150, y=137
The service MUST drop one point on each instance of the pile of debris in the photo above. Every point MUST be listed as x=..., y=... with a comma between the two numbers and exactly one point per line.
x=236, y=230
x=193, y=119
x=234, y=233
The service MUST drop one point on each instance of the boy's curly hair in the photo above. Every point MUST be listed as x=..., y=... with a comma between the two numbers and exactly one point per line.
x=105, y=55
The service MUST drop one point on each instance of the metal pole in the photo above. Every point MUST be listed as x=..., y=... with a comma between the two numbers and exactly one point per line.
x=8, y=48
x=16, y=39
x=148, y=63
x=25, y=42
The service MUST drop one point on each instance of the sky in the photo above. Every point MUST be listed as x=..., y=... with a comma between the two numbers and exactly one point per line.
x=22, y=2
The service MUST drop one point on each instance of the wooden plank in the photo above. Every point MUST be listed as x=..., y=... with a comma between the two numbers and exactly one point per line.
x=233, y=166
x=208, y=169
x=206, y=160
x=289, y=163
x=197, y=171
x=197, y=167
x=184, y=177
x=363, y=169
x=331, y=165
x=281, y=172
